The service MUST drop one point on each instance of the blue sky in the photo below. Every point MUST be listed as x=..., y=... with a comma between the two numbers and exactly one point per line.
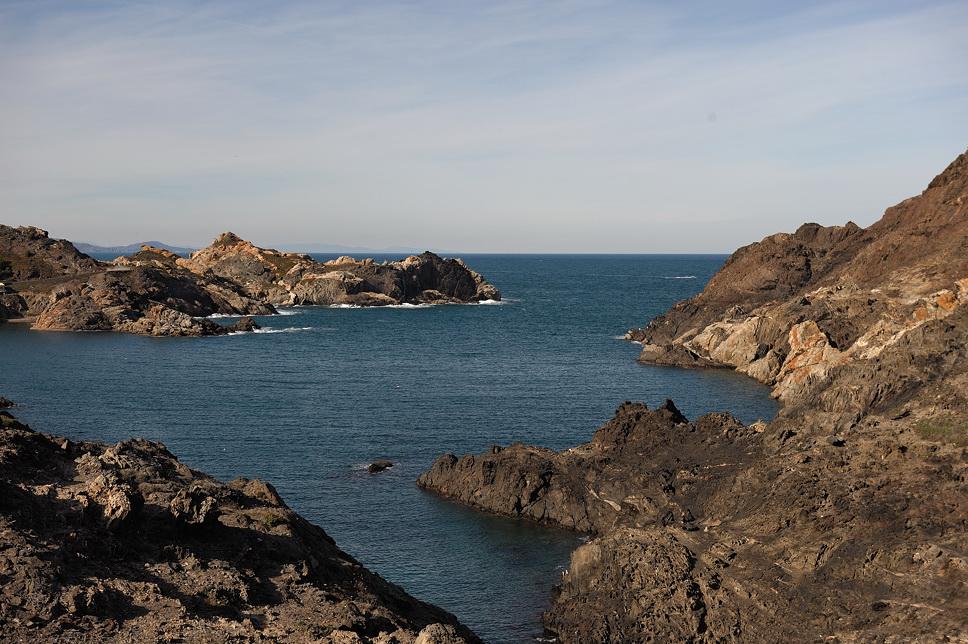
x=573, y=126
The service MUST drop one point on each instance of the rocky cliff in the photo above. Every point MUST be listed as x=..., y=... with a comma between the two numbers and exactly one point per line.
x=124, y=543
x=845, y=518
x=155, y=292
x=293, y=278
x=51, y=284
x=790, y=309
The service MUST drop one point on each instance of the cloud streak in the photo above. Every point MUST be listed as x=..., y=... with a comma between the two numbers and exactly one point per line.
x=509, y=126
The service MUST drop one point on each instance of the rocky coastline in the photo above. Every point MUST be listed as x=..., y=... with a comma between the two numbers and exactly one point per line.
x=123, y=543
x=845, y=518
x=54, y=287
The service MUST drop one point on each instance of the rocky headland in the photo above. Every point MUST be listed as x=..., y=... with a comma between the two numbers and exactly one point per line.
x=845, y=518
x=123, y=543
x=295, y=279
x=52, y=285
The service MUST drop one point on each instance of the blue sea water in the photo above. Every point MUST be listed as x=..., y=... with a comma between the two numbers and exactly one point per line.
x=308, y=403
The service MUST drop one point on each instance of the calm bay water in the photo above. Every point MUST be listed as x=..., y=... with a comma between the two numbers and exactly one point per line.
x=326, y=391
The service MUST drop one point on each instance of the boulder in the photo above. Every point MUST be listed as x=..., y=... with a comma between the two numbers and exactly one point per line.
x=379, y=466
x=244, y=325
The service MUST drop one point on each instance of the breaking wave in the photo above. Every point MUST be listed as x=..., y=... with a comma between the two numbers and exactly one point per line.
x=292, y=329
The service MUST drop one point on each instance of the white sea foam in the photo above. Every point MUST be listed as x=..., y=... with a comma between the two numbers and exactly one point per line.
x=292, y=329
x=422, y=305
x=222, y=316
x=680, y=277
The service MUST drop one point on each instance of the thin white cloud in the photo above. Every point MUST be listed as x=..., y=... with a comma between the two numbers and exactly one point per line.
x=508, y=126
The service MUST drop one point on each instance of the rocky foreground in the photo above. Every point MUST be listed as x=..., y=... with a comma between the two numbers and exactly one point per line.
x=51, y=284
x=123, y=543
x=843, y=519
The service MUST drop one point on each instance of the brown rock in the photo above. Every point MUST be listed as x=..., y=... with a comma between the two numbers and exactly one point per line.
x=259, y=573
x=819, y=525
x=194, y=506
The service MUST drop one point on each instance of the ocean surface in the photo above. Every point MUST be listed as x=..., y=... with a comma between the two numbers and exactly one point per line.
x=321, y=392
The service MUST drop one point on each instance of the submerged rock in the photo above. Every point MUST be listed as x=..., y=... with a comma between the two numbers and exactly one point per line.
x=245, y=325
x=378, y=466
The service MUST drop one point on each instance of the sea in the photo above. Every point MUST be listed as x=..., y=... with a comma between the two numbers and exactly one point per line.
x=320, y=392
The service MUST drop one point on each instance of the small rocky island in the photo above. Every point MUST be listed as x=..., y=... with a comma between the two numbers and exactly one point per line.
x=52, y=285
x=843, y=519
x=123, y=543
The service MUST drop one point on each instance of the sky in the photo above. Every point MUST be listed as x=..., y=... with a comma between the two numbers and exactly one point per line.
x=499, y=126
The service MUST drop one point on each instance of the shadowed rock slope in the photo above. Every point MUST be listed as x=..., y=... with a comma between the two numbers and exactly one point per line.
x=124, y=543
x=155, y=292
x=845, y=518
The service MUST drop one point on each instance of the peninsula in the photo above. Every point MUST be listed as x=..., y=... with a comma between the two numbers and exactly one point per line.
x=52, y=285
x=845, y=518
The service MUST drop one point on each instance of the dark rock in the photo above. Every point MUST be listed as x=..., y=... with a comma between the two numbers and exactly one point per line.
x=708, y=531
x=6, y=403
x=379, y=466
x=194, y=506
x=102, y=543
x=244, y=325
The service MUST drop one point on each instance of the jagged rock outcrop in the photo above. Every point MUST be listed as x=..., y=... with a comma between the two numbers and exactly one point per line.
x=843, y=519
x=60, y=289
x=789, y=309
x=28, y=253
x=294, y=278
x=156, y=292
x=124, y=543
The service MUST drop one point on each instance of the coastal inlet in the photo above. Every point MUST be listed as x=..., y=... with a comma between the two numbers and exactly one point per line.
x=320, y=393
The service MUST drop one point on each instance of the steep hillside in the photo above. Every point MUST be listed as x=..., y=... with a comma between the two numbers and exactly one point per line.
x=843, y=519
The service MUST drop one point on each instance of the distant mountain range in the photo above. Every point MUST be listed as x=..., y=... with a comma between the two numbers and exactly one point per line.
x=322, y=249
x=94, y=249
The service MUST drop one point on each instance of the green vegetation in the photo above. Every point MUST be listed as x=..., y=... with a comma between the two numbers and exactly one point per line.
x=943, y=429
x=268, y=517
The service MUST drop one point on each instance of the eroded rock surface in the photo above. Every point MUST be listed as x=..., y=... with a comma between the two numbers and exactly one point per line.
x=155, y=292
x=843, y=519
x=294, y=278
x=792, y=308
x=124, y=543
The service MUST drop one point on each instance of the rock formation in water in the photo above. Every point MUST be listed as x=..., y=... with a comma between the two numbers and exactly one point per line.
x=124, y=543
x=51, y=283
x=294, y=278
x=155, y=292
x=843, y=519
